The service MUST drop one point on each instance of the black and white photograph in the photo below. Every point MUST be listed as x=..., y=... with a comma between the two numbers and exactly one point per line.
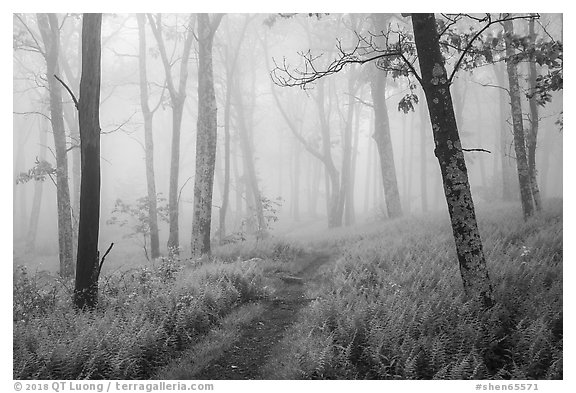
x=200, y=197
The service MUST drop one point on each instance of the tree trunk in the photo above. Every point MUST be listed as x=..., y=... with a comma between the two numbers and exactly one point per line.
x=532, y=137
x=71, y=117
x=346, y=169
x=87, y=266
x=369, y=171
x=174, y=235
x=248, y=157
x=519, y=144
x=295, y=181
x=206, y=138
x=334, y=219
x=226, y=189
x=505, y=141
x=423, y=162
x=37, y=199
x=382, y=132
x=49, y=29
x=451, y=159
x=177, y=99
x=148, y=140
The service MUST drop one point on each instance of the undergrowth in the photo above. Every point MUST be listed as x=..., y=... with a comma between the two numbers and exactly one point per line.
x=146, y=316
x=392, y=306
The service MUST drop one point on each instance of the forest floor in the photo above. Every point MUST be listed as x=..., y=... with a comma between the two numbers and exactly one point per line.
x=256, y=343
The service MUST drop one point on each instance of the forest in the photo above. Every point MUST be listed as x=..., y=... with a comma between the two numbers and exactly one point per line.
x=287, y=196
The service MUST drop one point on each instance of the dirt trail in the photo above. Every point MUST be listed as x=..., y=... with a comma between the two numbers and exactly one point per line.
x=244, y=360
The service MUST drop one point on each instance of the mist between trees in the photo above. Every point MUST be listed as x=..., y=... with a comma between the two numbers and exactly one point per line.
x=217, y=128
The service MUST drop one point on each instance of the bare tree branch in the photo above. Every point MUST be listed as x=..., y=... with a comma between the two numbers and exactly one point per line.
x=69, y=91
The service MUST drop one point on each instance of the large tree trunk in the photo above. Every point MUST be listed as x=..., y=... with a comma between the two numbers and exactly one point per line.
x=87, y=266
x=532, y=136
x=515, y=103
x=148, y=139
x=451, y=159
x=49, y=29
x=346, y=168
x=206, y=138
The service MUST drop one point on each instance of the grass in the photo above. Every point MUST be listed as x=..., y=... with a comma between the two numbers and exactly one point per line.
x=392, y=307
x=146, y=316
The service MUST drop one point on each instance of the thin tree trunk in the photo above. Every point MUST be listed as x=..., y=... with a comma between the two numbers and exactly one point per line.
x=248, y=156
x=423, y=161
x=177, y=99
x=37, y=199
x=369, y=171
x=532, y=136
x=519, y=143
x=49, y=29
x=206, y=138
x=87, y=266
x=411, y=160
x=148, y=140
x=296, y=181
x=504, y=141
x=350, y=200
x=451, y=159
x=382, y=132
x=346, y=169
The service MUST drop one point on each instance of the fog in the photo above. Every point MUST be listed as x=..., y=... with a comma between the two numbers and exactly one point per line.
x=287, y=171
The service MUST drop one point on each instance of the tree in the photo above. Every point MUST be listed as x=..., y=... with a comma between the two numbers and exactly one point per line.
x=382, y=131
x=532, y=137
x=230, y=63
x=247, y=149
x=507, y=167
x=87, y=266
x=50, y=32
x=148, y=115
x=177, y=99
x=37, y=200
x=436, y=85
x=516, y=105
x=206, y=137
x=324, y=152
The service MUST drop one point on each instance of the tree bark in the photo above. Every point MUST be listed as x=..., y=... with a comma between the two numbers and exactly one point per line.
x=49, y=29
x=532, y=136
x=519, y=143
x=87, y=266
x=148, y=116
x=206, y=138
x=451, y=159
